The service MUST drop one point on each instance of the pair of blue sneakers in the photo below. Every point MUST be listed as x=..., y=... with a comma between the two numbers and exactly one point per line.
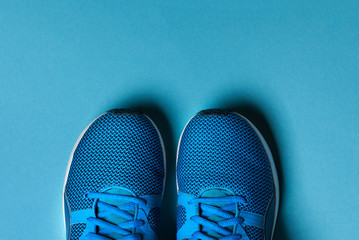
x=226, y=179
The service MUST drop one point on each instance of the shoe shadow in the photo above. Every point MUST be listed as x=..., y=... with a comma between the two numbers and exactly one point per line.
x=254, y=114
x=168, y=208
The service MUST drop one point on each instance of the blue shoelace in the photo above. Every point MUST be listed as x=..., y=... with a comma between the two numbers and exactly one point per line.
x=224, y=212
x=123, y=211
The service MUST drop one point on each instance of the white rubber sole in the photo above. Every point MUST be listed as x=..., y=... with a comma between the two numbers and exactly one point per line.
x=77, y=143
x=270, y=157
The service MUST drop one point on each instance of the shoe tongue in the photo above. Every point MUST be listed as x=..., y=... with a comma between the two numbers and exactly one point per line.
x=215, y=193
x=115, y=219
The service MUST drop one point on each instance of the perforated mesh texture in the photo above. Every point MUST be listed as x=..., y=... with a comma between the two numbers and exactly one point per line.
x=254, y=233
x=76, y=231
x=118, y=149
x=220, y=149
x=181, y=216
x=154, y=219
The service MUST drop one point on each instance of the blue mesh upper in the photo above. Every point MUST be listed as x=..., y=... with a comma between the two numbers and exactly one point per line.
x=118, y=149
x=221, y=149
x=181, y=216
x=154, y=219
x=76, y=230
x=254, y=233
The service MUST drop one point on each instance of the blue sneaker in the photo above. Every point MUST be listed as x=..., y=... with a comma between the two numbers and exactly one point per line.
x=226, y=178
x=114, y=181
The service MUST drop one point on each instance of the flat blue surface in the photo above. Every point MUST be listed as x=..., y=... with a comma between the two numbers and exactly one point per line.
x=296, y=64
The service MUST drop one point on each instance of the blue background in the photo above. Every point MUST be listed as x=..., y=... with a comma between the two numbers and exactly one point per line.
x=292, y=67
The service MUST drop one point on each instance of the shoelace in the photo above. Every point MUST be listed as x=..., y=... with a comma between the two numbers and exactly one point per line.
x=208, y=210
x=122, y=211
